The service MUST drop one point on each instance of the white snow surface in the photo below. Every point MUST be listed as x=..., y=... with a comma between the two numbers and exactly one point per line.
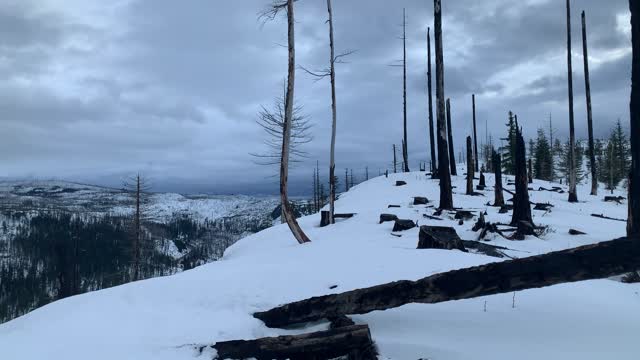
x=165, y=318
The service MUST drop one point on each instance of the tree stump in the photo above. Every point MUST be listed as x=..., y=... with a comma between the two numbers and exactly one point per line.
x=403, y=225
x=387, y=217
x=325, y=218
x=439, y=237
x=419, y=200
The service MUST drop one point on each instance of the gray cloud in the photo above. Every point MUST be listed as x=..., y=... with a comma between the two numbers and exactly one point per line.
x=95, y=90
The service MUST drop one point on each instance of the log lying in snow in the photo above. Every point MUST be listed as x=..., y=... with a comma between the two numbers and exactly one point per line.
x=352, y=341
x=583, y=263
x=401, y=183
x=601, y=216
x=576, y=232
x=617, y=199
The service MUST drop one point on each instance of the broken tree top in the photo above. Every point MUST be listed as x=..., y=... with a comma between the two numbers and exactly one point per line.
x=162, y=318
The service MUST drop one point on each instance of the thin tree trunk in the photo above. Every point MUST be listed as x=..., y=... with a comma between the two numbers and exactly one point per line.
x=434, y=163
x=332, y=159
x=470, y=163
x=446, y=196
x=405, y=146
x=633, y=220
x=136, y=263
x=297, y=232
x=395, y=160
x=587, y=87
x=497, y=168
x=530, y=164
x=452, y=156
x=475, y=135
x=597, y=261
x=573, y=194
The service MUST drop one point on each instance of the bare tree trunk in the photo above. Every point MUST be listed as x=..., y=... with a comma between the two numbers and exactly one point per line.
x=297, y=232
x=573, y=194
x=530, y=165
x=446, y=196
x=587, y=87
x=475, y=135
x=138, y=232
x=405, y=147
x=434, y=163
x=332, y=161
x=470, y=163
x=633, y=220
x=497, y=168
x=395, y=160
x=597, y=261
x=521, y=204
x=452, y=156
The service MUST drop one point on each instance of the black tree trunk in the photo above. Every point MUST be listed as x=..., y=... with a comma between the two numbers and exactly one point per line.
x=497, y=168
x=521, y=204
x=452, y=157
x=633, y=220
x=434, y=162
x=587, y=87
x=470, y=163
x=475, y=135
x=573, y=194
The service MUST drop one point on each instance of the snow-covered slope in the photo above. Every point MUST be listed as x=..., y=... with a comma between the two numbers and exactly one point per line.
x=162, y=318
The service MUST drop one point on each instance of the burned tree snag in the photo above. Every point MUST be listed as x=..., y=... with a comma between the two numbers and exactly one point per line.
x=469, y=167
x=530, y=165
x=587, y=87
x=434, y=163
x=475, y=135
x=573, y=194
x=332, y=161
x=521, y=204
x=589, y=262
x=497, y=168
x=405, y=147
x=446, y=196
x=633, y=219
x=452, y=157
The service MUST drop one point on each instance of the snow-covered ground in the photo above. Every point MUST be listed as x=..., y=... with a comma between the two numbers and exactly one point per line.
x=163, y=318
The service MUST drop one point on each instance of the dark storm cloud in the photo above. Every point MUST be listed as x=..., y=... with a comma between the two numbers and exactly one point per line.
x=96, y=90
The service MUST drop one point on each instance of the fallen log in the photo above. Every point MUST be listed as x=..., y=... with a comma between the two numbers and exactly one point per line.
x=583, y=263
x=616, y=199
x=601, y=216
x=401, y=183
x=432, y=217
x=576, y=232
x=352, y=341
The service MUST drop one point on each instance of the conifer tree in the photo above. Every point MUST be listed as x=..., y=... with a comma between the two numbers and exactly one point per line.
x=509, y=150
x=543, y=158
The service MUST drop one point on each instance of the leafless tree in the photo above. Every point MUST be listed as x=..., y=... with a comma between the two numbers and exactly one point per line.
x=633, y=220
x=276, y=7
x=573, y=194
x=452, y=156
x=475, y=135
x=587, y=86
x=470, y=172
x=434, y=163
x=137, y=187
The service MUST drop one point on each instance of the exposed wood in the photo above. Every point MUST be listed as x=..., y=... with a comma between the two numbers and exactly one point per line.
x=589, y=262
x=405, y=146
x=587, y=87
x=287, y=211
x=452, y=155
x=469, y=167
x=601, y=216
x=573, y=194
x=434, y=162
x=633, y=219
x=353, y=341
x=446, y=195
x=334, y=116
x=475, y=135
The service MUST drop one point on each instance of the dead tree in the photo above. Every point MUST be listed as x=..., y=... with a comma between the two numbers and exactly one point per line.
x=633, y=219
x=475, y=135
x=434, y=163
x=405, y=147
x=395, y=160
x=588, y=262
x=521, y=204
x=287, y=211
x=137, y=186
x=452, y=157
x=470, y=163
x=497, y=168
x=587, y=87
x=446, y=196
x=573, y=194
x=530, y=165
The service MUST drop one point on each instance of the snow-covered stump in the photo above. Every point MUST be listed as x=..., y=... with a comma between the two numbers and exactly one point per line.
x=354, y=342
x=588, y=262
x=403, y=225
x=439, y=237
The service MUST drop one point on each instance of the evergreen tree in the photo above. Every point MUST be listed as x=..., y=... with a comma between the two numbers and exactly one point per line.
x=543, y=158
x=509, y=151
x=614, y=161
x=565, y=161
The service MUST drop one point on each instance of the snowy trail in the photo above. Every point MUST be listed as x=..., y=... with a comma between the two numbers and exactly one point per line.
x=159, y=318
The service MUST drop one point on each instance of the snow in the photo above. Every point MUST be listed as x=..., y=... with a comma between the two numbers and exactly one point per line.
x=166, y=318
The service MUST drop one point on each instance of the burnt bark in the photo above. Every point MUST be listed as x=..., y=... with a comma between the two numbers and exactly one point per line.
x=470, y=171
x=573, y=194
x=405, y=147
x=334, y=116
x=434, y=163
x=446, y=196
x=587, y=87
x=633, y=219
x=352, y=341
x=521, y=204
x=452, y=157
x=589, y=262
x=497, y=165
x=475, y=135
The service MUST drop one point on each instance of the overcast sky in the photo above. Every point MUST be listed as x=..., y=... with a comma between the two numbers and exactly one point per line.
x=93, y=90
